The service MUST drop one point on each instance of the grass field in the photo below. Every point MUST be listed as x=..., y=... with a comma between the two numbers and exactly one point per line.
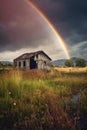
x=38, y=100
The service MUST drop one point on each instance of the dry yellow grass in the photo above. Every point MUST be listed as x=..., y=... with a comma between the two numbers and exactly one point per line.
x=38, y=99
x=71, y=69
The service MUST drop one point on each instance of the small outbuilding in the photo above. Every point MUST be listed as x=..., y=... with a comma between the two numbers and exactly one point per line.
x=33, y=60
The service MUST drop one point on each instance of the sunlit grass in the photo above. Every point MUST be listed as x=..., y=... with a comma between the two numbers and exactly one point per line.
x=38, y=100
x=71, y=69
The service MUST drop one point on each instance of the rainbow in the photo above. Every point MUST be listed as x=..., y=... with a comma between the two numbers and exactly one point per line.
x=62, y=43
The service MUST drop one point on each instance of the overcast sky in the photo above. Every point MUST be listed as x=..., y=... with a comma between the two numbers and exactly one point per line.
x=23, y=30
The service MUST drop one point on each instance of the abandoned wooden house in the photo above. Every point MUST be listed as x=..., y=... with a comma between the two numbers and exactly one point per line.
x=34, y=60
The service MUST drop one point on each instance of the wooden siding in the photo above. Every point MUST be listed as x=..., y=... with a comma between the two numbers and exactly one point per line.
x=40, y=61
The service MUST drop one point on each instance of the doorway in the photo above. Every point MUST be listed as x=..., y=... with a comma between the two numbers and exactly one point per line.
x=33, y=64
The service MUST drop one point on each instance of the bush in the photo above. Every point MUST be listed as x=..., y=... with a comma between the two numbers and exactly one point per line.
x=69, y=63
x=80, y=62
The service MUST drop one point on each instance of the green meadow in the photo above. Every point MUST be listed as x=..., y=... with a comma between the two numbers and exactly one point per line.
x=40, y=100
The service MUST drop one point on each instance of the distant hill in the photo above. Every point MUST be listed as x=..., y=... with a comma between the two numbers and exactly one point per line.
x=61, y=62
x=6, y=62
x=58, y=62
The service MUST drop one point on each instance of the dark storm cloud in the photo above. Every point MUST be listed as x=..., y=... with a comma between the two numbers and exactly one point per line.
x=79, y=50
x=20, y=26
x=16, y=36
x=3, y=36
x=69, y=17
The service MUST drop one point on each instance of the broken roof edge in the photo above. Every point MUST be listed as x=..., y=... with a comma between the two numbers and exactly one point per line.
x=33, y=53
x=46, y=55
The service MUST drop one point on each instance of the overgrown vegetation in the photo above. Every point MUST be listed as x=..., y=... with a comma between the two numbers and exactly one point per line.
x=38, y=100
x=69, y=63
x=79, y=62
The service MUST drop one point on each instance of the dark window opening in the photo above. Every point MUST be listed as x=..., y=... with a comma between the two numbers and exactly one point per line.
x=24, y=63
x=36, y=56
x=19, y=64
x=33, y=64
x=44, y=62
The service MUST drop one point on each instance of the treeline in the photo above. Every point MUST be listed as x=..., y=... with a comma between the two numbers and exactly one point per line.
x=79, y=62
x=5, y=65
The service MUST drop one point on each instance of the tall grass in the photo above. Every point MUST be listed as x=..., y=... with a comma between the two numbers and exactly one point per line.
x=38, y=100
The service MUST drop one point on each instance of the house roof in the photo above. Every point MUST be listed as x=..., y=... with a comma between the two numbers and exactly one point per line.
x=29, y=55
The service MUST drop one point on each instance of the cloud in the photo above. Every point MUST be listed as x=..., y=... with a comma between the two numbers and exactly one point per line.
x=79, y=49
x=69, y=16
x=70, y=19
x=21, y=27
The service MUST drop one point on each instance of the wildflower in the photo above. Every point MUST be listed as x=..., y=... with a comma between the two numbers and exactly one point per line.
x=9, y=93
x=14, y=103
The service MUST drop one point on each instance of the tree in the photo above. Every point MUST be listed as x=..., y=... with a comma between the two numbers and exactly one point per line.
x=69, y=63
x=1, y=64
x=80, y=62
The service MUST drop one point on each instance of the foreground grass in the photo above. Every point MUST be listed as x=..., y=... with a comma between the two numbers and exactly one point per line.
x=38, y=100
